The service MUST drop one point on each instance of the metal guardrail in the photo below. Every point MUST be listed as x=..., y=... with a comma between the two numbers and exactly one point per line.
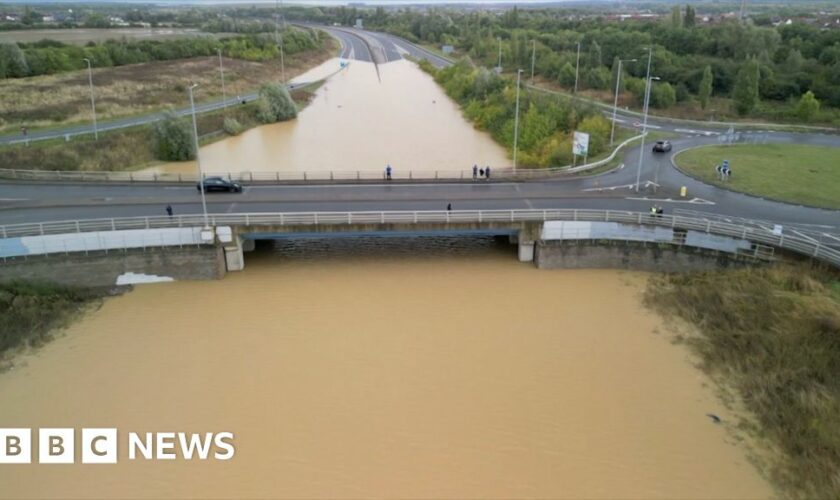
x=506, y=173
x=797, y=244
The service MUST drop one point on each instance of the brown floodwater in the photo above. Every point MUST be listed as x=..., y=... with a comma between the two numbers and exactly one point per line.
x=398, y=368
x=357, y=122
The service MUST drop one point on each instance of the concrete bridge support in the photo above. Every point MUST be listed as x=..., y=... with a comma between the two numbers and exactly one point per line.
x=526, y=251
x=234, y=257
x=526, y=239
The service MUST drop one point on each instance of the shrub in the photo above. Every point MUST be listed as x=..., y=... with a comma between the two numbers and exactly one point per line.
x=173, y=139
x=275, y=104
x=232, y=126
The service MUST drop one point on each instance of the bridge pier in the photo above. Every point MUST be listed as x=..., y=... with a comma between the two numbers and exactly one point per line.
x=234, y=257
x=526, y=251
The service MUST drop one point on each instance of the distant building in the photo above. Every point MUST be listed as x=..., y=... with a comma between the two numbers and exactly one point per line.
x=359, y=24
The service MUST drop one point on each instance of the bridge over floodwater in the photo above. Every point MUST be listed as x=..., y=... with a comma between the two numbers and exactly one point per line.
x=190, y=247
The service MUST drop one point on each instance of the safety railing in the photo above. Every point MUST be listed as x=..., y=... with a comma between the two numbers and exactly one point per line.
x=496, y=173
x=794, y=243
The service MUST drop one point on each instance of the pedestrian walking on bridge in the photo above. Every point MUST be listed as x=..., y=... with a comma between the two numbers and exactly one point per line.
x=169, y=210
x=475, y=172
x=388, y=172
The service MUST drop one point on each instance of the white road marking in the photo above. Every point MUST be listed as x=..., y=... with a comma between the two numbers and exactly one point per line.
x=695, y=201
x=646, y=185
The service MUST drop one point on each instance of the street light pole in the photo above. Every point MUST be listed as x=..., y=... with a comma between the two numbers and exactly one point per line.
x=222, y=72
x=615, y=105
x=650, y=80
x=577, y=67
x=198, y=158
x=533, y=61
x=92, y=100
x=516, y=120
x=278, y=40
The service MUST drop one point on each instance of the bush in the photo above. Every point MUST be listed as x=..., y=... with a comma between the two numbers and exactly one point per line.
x=275, y=104
x=173, y=139
x=232, y=126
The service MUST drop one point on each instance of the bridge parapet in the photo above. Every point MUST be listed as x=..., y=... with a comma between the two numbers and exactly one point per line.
x=527, y=223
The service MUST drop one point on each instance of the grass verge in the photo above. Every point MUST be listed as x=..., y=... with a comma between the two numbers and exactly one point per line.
x=29, y=313
x=130, y=148
x=773, y=336
x=787, y=172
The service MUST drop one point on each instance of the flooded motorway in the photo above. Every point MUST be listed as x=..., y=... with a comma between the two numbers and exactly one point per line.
x=358, y=121
x=410, y=368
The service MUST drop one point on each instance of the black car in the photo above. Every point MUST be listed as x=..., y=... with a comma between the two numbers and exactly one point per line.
x=219, y=184
x=661, y=147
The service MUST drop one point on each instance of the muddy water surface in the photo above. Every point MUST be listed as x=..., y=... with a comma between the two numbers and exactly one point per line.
x=390, y=368
x=358, y=121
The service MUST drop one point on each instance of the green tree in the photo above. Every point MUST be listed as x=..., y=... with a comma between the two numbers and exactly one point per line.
x=690, y=18
x=705, y=91
x=808, y=106
x=595, y=59
x=12, y=61
x=662, y=95
x=275, y=104
x=745, y=92
x=173, y=139
x=676, y=17
x=567, y=75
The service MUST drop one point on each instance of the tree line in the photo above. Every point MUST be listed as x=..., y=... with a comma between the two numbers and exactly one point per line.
x=48, y=56
x=546, y=122
x=756, y=67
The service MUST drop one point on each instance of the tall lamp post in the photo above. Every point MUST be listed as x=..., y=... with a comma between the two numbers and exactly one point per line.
x=278, y=39
x=644, y=129
x=617, y=87
x=92, y=100
x=577, y=67
x=198, y=158
x=516, y=120
x=222, y=73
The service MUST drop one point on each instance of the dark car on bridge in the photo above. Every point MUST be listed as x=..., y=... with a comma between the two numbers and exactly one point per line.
x=661, y=147
x=218, y=184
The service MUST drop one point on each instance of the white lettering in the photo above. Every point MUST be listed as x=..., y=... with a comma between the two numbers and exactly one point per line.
x=219, y=440
x=146, y=447
x=195, y=443
x=165, y=441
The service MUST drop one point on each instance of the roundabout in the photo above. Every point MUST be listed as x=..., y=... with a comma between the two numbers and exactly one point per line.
x=790, y=173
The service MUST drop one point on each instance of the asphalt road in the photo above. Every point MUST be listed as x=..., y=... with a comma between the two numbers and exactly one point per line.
x=660, y=181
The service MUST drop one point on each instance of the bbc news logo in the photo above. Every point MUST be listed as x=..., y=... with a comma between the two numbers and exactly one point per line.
x=100, y=446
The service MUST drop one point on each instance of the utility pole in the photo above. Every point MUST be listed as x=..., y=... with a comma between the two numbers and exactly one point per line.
x=222, y=73
x=743, y=10
x=92, y=100
x=644, y=125
x=615, y=105
x=198, y=158
x=278, y=40
x=533, y=60
x=577, y=67
x=516, y=120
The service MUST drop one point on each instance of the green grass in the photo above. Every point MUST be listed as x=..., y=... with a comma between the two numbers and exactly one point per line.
x=771, y=335
x=803, y=174
x=129, y=148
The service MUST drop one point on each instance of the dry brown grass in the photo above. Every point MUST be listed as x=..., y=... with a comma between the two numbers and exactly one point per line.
x=772, y=335
x=53, y=100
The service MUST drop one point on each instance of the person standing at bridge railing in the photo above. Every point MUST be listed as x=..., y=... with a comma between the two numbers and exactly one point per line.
x=475, y=172
x=487, y=172
x=388, y=172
